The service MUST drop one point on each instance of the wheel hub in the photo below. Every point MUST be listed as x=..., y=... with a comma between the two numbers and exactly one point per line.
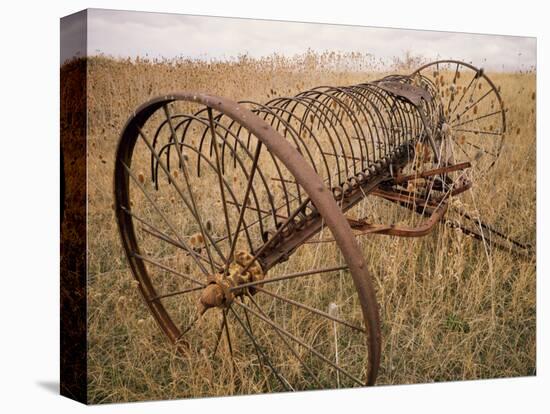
x=223, y=288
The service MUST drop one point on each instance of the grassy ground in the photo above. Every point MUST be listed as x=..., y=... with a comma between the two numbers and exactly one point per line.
x=449, y=311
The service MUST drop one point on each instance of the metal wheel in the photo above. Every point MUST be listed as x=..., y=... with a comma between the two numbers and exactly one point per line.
x=471, y=109
x=207, y=205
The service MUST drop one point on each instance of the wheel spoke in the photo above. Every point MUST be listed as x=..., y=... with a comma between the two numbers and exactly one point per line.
x=219, y=334
x=168, y=269
x=437, y=82
x=468, y=156
x=464, y=91
x=265, y=212
x=190, y=326
x=228, y=337
x=480, y=149
x=252, y=332
x=179, y=292
x=175, y=243
x=320, y=241
x=302, y=343
x=284, y=382
x=155, y=232
x=476, y=131
x=476, y=119
x=311, y=309
x=289, y=276
x=245, y=201
x=472, y=92
x=255, y=221
x=220, y=179
x=178, y=190
x=452, y=92
x=159, y=211
x=473, y=105
x=183, y=165
x=285, y=341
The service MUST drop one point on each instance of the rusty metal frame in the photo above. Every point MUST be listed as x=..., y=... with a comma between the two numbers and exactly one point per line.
x=370, y=134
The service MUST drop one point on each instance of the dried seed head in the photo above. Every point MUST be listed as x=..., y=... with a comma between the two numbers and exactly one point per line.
x=196, y=240
x=333, y=309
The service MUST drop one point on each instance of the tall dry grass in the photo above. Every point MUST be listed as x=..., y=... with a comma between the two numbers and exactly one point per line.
x=449, y=311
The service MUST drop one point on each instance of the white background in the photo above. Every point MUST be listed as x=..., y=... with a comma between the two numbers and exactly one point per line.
x=29, y=215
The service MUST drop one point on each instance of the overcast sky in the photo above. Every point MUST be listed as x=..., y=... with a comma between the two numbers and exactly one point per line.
x=131, y=34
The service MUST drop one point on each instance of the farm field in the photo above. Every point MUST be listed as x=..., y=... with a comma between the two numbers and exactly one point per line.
x=450, y=309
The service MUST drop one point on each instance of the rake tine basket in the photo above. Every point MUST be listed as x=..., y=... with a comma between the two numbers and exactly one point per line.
x=223, y=207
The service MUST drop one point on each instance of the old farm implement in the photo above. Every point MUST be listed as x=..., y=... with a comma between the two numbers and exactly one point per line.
x=241, y=221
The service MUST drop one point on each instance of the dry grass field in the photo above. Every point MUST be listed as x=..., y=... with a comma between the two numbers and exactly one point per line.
x=449, y=309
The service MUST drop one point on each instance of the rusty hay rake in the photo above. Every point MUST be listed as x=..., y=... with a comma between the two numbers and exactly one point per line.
x=235, y=217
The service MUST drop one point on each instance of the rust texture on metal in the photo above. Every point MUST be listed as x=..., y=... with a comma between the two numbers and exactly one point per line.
x=304, y=162
x=413, y=94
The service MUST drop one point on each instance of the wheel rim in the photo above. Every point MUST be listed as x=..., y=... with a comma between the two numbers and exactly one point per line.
x=130, y=209
x=473, y=112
